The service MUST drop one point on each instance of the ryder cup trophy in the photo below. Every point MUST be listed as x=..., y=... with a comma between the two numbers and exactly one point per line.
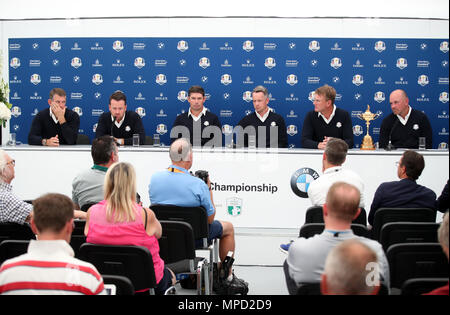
x=368, y=116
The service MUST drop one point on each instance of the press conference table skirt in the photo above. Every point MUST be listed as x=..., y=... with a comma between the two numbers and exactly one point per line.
x=251, y=188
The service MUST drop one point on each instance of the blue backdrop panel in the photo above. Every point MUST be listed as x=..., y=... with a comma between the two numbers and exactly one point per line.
x=155, y=74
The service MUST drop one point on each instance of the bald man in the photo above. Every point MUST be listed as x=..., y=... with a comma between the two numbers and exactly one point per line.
x=404, y=125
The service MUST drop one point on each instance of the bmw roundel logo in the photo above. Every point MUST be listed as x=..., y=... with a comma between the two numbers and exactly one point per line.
x=301, y=179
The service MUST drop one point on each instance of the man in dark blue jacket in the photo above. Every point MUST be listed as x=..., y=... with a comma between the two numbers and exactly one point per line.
x=405, y=193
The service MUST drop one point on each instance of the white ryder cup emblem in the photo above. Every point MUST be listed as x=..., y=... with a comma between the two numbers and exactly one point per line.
x=182, y=46
x=444, y=47
x=423, y=80
x=97, y=79
x=314, y=46
x=357, y=130
x=161, y=129
x=358, y=79
x=291, y=79
x=78, y=110
x=270, y=63
x=402, y=63
x=76, y=62
x=15, y=63
x=247, y=96
x=204, y=62
x=161, y=79
x=443, y=97
x=301, y=179
x=182, y=96
x=139, y=62
x=118, y=45
x=336, y=63
x=140, y=111
x=248, y=46
x=55, y=46
x=292, y=130
x=379, y=97
x=35, y=79
x=225, y=79
x=227, y=129
x=380, y=46
x=234, y=206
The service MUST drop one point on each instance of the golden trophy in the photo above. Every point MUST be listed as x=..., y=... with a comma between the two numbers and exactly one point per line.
x=368, y=116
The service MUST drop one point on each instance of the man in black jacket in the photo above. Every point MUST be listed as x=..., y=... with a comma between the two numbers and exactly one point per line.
x=55, y=125
x=199, y=125
x=326, y=121
x=268, y=128
x=404, y=125
x=120, y=122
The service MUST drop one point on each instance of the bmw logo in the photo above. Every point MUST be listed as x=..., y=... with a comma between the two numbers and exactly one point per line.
x=301, y=179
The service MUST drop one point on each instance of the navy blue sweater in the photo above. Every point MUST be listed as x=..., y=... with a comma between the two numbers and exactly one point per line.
x=131, y=125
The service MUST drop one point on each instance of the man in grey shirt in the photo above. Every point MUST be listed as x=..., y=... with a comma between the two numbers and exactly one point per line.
x=87, y=187
x=306, y=257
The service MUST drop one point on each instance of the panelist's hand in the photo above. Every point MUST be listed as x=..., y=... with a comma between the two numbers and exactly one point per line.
x=52, y=142
x=323, y=144
x=58, y=112
x=120, y=141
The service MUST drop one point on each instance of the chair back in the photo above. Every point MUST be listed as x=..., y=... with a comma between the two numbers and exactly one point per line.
x=133, y=262
x=408, y=232
x=195, y=216
x=311, y=229
x=177, y=241
x=309, y=289
x=78, y=238
x=314, y=214
x=416, y=260
x=83, y=139
x=86, y=206
x=123, y=285
x=419, y=286
x=15, y=231
x=386, y=215
x=12, y=248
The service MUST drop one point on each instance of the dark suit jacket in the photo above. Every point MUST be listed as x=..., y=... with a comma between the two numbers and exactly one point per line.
x=405, y=193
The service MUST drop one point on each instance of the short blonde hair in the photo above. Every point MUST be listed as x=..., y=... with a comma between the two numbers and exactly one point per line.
x=120, y=192
x=328, y=91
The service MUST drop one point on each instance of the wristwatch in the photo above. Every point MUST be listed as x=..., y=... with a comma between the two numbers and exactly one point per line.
x=44, y=142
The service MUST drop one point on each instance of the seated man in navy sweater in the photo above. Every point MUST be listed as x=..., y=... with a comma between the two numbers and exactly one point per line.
x=56, y=124
x=325, y=121
x=120, y=122
x=199, y=125
x=405, y=193
x=268, y=127
x=404, y=125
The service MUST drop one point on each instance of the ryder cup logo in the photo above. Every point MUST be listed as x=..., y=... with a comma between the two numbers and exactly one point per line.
x=76, y=62
x=443, y=97
x=161, y=79
x=358, y=79
x=443, y=47
x=139, y=62
x=55, y=46
x=380, y=46
x=15, y=63
x=248, y=46
x=314, y=46
x=182, y=96
x=204, y=62
x=161, y=129
x=140, y=111
x=182, y=46
x=118, y=45
x=311, y=96
x=292, y=130
x=227, y=130
x=35, y=79
x=291, y=79
x=357, y=130
x=225, y=79
x=402, y=63
x=301, y=179
x=97, y=79
x=78, y=110
x=247, y=96
x=423, y=80
x=379, y=97
x=270, y=63
x=336, y=63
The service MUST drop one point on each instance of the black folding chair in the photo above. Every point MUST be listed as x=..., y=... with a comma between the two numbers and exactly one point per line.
x=419, y=286
x=416, y=260
x=78, y=238
x=387, y=215
x=12, y=248
x=133, y=262
x=408, y=232
x=86, y=206
x=312, y=229
x=177, y=249
x=314, y=214
x=15, y=231
x=122, y=284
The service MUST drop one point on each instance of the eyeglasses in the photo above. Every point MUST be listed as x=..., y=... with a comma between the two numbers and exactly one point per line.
x=12, y=162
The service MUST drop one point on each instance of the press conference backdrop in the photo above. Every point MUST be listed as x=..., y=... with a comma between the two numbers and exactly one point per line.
x=156, y=73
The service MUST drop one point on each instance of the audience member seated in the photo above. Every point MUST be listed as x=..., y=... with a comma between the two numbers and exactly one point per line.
x=405, y=193
x=333, y=157
x=443, y=203
x=119, y=220
x=351, y=269
x=443, y=239
x=87, y=187
x=306, y=257
x=49, y=267
x=176, y=186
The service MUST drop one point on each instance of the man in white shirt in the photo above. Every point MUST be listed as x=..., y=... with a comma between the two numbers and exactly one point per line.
x=333, y=157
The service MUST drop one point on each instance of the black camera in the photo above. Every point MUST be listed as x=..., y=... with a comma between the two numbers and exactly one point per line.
x=203, y=175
